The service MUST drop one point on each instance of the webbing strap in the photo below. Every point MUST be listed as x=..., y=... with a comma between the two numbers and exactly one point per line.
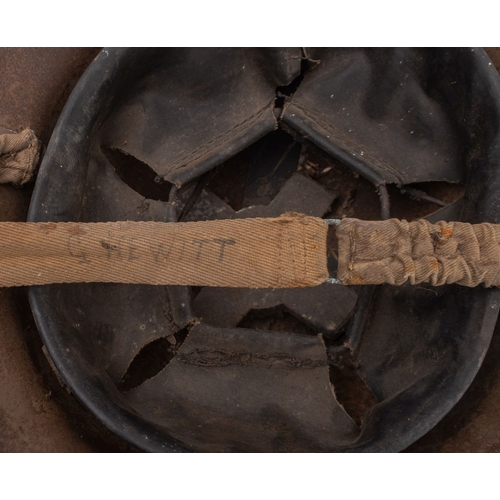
x=283, y=252
x=19, y=155
x=395, y=251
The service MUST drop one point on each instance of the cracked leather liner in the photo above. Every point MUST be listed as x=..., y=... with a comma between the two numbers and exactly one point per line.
x=418, y=372
x=236, y=367
x=231, y=92
x=357, y=101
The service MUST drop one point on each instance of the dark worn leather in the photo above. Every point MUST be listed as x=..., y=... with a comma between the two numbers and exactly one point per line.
x=197, y=107
x=357, y=101
x=229, y=375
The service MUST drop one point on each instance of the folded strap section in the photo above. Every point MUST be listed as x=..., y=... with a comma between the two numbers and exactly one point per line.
x=282, y=252
x=19, y=154
x=395, y=251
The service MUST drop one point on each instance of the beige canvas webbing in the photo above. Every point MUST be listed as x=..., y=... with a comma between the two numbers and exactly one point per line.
x=284, y=252
x=395, y=251
x=288, y=251
x=19, y=154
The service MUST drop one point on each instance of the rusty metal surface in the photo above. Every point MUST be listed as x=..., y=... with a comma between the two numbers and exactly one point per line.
x=36, y=414
x=35, y=83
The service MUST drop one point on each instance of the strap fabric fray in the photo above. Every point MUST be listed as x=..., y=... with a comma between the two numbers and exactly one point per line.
x=19, y=154
x=396, y=251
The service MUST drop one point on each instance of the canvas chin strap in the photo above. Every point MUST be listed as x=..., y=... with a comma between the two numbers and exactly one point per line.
x=396, y=251
x=284, y=252
x=19, y=155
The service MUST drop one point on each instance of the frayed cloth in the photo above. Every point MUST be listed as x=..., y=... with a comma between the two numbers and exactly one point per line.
x=19, y=155
x=396, y=251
